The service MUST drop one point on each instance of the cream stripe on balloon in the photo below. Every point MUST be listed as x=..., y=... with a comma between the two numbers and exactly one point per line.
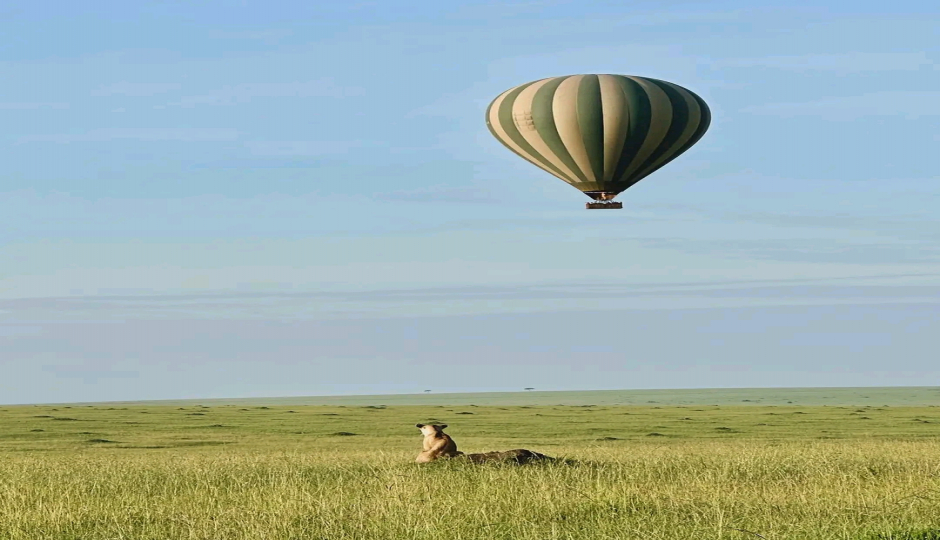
x=522, y=111
x=660, y=120
x=616, y=123
x=565, y=111
x=506, y=140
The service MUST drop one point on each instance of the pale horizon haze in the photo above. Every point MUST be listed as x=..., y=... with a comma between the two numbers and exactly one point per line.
x=241, y=199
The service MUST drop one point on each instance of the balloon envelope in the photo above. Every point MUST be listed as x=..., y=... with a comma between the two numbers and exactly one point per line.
x=599, y=133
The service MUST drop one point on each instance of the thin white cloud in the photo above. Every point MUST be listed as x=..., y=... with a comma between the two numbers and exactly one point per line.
x=836, y=63
x=441, y=194
x=805, y=250
x=88, y=374
x=140, y=134
x=300, y=148
x=285, y=304
x=133, y=89
x=271, y=34
x=29, y=106
x=907, y=227
x=542, y=14
x=907, y=104
x=244, y=93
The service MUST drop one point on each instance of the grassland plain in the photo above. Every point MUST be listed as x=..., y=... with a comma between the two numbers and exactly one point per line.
x=644, y=471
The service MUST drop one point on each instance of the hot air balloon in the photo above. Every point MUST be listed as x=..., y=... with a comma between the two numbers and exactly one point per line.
x=599, y=133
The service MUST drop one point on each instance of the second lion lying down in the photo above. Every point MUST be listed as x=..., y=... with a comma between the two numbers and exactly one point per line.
x=438, y=444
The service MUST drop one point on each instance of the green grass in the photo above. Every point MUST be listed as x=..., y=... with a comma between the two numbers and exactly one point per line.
x=651, y=471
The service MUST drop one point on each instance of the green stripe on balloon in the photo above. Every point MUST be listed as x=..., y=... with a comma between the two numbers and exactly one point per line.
x=591, y=121
x=509, y=126
x=544, y=119
x=638, y=103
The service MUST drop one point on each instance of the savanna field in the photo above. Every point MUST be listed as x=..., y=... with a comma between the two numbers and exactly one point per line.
x=772, y=465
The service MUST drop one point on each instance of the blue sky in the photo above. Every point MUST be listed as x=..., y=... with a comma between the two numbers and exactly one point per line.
x=220, y=199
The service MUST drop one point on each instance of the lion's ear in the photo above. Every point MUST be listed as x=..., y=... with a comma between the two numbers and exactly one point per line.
x=419, y=426
x=444, y=426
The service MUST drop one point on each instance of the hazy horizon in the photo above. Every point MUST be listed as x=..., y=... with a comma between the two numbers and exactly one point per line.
x=755, y=396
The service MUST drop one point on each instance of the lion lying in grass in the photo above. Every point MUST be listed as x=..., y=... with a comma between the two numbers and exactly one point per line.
x=438, y=444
